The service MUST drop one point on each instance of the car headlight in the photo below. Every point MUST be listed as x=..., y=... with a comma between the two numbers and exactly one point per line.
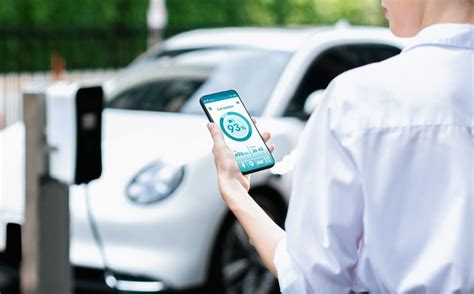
x=155, y=182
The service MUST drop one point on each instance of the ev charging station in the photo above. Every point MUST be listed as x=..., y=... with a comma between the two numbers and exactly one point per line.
x=63, y=124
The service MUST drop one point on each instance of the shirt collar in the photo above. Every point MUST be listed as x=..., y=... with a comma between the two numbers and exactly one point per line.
x=454, y=35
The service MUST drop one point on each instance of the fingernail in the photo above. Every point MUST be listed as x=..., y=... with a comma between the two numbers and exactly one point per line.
x=210, y=126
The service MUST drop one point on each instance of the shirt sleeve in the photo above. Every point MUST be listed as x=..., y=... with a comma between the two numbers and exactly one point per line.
x=324, y=222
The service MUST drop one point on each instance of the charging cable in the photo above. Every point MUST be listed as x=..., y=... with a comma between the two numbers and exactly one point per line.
x=109, y=275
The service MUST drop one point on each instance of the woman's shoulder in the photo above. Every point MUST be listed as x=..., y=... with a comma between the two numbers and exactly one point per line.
x=373, y=75
x=366, y=95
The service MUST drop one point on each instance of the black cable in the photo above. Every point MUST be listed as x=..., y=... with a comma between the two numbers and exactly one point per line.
x=108, y=272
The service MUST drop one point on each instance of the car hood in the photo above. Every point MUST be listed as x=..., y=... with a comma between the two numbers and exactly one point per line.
x=139, y=137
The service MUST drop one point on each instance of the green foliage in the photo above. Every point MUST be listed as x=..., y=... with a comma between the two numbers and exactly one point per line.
x=188, y=13
x=110, y=33
x=86, y=33
x=75, y=13
x=210, y=13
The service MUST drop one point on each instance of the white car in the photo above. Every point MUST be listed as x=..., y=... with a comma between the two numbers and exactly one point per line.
x=157, y=207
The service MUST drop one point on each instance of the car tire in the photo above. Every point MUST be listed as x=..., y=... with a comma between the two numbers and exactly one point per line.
x=235, y=266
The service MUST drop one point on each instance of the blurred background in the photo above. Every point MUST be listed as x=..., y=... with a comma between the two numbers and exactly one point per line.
x=32, y=31
x=73, y=39
x=154, y=221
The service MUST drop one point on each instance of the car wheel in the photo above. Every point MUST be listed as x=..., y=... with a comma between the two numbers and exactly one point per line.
x=236, y=266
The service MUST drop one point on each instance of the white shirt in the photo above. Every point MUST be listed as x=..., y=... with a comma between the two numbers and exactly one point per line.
x=383, y=186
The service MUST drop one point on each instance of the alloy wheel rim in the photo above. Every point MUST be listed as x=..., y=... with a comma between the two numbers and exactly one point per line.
x=242, y=269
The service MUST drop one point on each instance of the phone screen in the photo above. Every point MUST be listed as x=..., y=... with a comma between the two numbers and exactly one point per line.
x=227, y=111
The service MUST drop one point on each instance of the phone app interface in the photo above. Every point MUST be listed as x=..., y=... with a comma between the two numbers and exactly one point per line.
x=240, y=134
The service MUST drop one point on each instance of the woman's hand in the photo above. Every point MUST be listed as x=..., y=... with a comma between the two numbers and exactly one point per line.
x=263, y=232
x=230, y=179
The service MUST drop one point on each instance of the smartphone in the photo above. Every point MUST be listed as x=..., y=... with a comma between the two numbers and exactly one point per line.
x=228, y=112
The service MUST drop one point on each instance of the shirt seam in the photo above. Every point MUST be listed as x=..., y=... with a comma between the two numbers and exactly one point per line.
x=377, y=128
x=433, y=44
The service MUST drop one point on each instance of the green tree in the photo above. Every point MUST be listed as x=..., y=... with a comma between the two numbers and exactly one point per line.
x=73, y=13
x=105, y=33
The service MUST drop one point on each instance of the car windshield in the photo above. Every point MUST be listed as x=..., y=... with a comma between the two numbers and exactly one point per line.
x=181, y=79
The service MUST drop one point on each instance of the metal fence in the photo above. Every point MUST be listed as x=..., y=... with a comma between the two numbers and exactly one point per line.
x=28, y=49
x=11, y=86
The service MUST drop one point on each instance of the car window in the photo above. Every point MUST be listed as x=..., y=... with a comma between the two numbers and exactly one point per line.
x=332, y=63
x=163, y=95
x=252, y=73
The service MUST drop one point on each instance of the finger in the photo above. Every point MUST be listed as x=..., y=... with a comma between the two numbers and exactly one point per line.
x=216, y=135
x=223, y=156
x=271, y=148
x=254, y=120
x=266, y=136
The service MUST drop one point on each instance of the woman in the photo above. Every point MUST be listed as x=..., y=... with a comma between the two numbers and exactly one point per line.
x=382, y=196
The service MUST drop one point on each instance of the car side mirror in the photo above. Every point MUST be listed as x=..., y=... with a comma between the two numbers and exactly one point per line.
x=313, y=101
